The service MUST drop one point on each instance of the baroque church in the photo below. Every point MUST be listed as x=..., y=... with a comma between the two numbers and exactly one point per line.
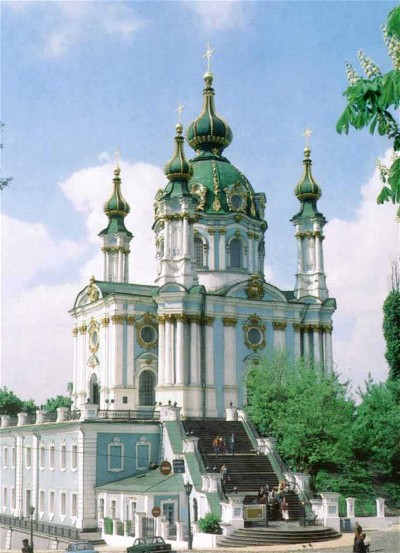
x=159, y=369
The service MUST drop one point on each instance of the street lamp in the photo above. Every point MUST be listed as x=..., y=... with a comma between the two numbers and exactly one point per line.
x=188, y=490
x=31, y=513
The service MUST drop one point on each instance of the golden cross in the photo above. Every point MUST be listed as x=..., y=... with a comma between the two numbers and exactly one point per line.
x=209, y=52
x=181, y=107
x=117, y=156
x=307, y=133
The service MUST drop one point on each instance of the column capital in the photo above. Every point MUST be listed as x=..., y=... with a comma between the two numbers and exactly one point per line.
x=118, y=319
x=279, y=325
x=229, y=321
x=105, y=321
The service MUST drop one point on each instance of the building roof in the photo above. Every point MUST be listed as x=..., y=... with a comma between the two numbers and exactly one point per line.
x=149, y=482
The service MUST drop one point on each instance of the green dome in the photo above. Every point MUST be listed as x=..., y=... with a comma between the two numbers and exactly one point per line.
x=209, y=132
x=177, y=167
x=116, y=205
x=221, y=188
x=307, y=188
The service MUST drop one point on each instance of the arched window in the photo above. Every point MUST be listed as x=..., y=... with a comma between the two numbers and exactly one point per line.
x=198, y=253
x=94, y=390
x=146, y=388
x=236, y=253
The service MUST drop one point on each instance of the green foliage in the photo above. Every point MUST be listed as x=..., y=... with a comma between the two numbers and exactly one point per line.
x=372, y=102
x=53, y=403
x=10, y=404
x=391, y=332
x=308, y=412
x=120, y=528
x=209, y=524
x=108, y=525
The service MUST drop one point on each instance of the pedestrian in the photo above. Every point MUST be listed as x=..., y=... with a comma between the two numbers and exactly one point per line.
x=357, y=532
x=284, y=509
x=361, y=546
x=26, y=547
x=224, y=474
x=216, y=446
x=261, y=495
x=232, y=444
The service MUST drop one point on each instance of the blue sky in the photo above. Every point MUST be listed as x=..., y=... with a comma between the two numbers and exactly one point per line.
x=83, y=78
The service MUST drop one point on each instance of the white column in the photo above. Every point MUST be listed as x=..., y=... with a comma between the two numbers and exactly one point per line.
x=194, y=351
x=380, y=507
x=130, y=361
x=318, y=252
x=185, y=236
x=119, y=268
x=317, y=343
x=168, y=352
x=229, y=351
x=161, y=351
x=299, y=254
x=297, y=341
x=167, y=240
x=350, y=511
x=306, y=342
x=222, y=250
x=250, y=263
x=210, y=376
x=180, y=351
x=279, y=335
x=105, y=258
x=328, y=361
x=211, y=251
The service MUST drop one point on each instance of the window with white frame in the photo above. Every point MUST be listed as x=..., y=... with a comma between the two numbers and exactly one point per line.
x=13, y=498
x=41, y=501
x=113, y=509
x=142, y=453
x=13, y=457
x=235, y=247
x=51, y=456
x=146, y=388
x=198, y=253
x=74, y=505
x=101, y=508
x=5, y=498
x=74, y=457
x=63, y=456
x=116, y=455
x=63, y=502
x=28, y=457
x=5, y=458
x=51, y=502
x=42, y=456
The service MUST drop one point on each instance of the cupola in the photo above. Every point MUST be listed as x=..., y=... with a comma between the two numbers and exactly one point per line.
x=307, y=188
x=178, y=170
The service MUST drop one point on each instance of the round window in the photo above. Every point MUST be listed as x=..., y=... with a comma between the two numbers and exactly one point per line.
x=255, y=336
x=148, y=334
x=237, y=201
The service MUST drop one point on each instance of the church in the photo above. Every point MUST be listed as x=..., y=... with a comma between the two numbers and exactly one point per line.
x=159, y=369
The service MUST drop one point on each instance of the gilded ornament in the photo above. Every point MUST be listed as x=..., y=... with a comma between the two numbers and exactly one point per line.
x=74, y=331
x=200, y=191
x=216, y=188
x=254, y=333
x=255, y=287
x=93, y=336
x=92, y=291
x=297, y=327
x=237, y=218
x=118, y=319
x=105, y=321
x=130, y=319
x=229, y=321
x=236, y=197
x=146, y=330
x=279, y=325
x=222, y=231
x=82, y=329
x=209, y=321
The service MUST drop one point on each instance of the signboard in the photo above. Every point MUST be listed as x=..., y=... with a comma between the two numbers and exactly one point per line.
x=156, y=512
x=254, y=513
x=179, y=466
x=165, y=468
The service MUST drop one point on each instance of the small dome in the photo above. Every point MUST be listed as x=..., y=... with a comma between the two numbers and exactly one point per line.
x=209, y=131
x=177, y=168
x=307, y=188
x=116, y=205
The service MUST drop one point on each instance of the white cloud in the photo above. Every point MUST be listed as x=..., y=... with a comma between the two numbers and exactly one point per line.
x=359, y=254
x=219, y=15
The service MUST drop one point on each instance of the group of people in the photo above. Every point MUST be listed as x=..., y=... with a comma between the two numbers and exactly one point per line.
x=221, y=446
x=359, y=540
x=275, y=500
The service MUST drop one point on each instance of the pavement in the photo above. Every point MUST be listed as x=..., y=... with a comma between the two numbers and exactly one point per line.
x=387, y=541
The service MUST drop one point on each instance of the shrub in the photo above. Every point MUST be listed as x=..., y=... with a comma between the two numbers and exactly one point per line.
x=108, y=525
x=209, y=524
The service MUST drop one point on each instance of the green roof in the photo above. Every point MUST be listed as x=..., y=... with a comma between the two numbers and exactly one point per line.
x=148, y=482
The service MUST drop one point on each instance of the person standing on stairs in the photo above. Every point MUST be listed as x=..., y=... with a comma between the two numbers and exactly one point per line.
x=232, y=444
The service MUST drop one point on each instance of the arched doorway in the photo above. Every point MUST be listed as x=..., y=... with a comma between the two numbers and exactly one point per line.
x=94, y=390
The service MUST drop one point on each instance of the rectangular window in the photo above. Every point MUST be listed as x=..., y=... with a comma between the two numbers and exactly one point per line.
x=124, y=399
x=13, y=457
x=142, y=456
x=74, y=457
x=41, y=501
x=62, y=503
x=42, y=456
x=13, y=498
x=63, y=456
x=5, y=498
x=51, y=502
x=115, y=455
x=74, y=505
x=28, y=457
x=113, y=509
x=5, y=458
x=101, y=508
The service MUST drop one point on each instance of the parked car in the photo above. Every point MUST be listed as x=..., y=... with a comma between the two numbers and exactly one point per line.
x=81, y=547
x=148, y=545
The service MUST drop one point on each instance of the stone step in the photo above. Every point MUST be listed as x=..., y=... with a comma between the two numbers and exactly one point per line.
x=263, y=536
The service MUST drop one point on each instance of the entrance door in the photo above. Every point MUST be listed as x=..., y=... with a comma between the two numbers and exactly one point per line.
x=169, y=511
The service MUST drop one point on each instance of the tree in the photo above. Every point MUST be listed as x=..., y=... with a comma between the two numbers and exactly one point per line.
x=307, y=411
x=53, y=403
x=372, y=101
x=391, y=325
x=10, y=404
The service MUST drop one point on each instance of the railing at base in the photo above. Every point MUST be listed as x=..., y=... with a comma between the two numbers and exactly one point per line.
x=128, y=414
x=40, y=527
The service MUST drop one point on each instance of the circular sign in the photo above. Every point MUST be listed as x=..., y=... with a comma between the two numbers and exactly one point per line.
x=156, y=512
x=165, y=468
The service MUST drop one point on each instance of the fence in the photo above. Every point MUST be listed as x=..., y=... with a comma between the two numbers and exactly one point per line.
x=40, y=527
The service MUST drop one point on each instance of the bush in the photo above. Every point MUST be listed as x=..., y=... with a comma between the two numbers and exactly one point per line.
x=209, y=524
x=365, y=507
x=108, y=525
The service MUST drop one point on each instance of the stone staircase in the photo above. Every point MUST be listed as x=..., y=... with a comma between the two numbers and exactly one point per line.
x=247, y=469
x=278, y=533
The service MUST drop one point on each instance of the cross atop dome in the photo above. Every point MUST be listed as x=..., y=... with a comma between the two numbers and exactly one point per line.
x=307, y=134
x=179, y=110
x=208, y=55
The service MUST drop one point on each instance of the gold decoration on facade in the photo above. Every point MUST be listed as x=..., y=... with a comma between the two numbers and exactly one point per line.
x=229, y=321
x=130, y=319
x=236, y=197
x=92, y=291
x=279, y=325
x=254, y=333
x=252, y=207
x=216, y=188
x=237, y=218
x=200, y=191
x=194, y=318
x=255, y=287
x=118, y=319
x=297, y=327
x=93, y=331
x=74, y=331
x=209, y=321
x=105, y=321
x=82, y=329
x=146, y=331
x=211, y=231
x=222, y=231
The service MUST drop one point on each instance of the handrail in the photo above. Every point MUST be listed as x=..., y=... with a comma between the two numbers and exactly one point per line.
x=128, y=414
x=42, y=527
